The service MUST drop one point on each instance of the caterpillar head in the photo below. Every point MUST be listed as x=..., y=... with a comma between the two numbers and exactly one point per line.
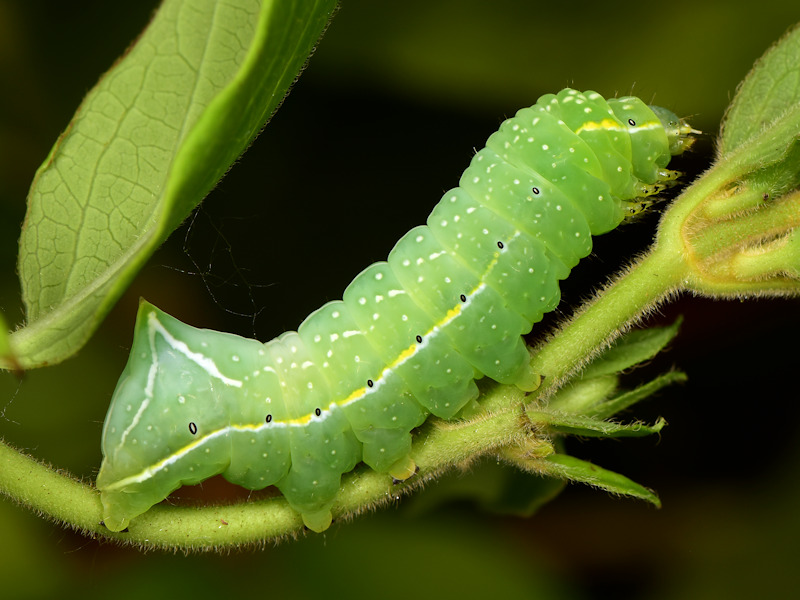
x=679, y=132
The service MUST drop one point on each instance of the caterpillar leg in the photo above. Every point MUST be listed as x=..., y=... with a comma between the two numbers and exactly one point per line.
x=403, y=468
x=530, y=381
x=665, y=175
x=667, y=178
x=318, y=521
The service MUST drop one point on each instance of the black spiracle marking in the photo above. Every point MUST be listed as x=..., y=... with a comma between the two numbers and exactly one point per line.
x=500, y=245
x=419, y=339
x=268, y=419
x=370, y=383
x=317, y=412
x=463, y=298
x=536, y=191
x=192, y=428
x=631, y=122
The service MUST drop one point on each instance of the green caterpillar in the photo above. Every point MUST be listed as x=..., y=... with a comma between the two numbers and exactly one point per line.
x=411, y=334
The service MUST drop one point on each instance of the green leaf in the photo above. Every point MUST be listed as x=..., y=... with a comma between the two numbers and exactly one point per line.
x=589, y=426
x=581, y=395
x=146, y=145
x=493, y=486
x=631, y=349
x=622, y=401
x=568, y=467
x=770, y=89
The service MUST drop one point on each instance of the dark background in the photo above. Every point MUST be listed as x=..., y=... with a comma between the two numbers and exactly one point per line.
x=383, y=120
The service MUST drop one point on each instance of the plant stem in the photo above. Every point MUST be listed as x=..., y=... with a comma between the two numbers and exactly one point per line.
x=637, y=291
x=439, y=447
x=47, y=491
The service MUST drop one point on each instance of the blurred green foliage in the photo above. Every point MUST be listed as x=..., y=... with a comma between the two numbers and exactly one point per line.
x=382, y=122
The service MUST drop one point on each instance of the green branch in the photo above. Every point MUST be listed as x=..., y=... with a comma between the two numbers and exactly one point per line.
x=439, y=446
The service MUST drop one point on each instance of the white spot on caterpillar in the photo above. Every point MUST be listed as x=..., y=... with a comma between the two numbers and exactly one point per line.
x=378, y=276
x=235, y=358
x=351, y=333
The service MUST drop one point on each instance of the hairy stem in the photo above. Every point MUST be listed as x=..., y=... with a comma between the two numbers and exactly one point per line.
x=438, y=447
